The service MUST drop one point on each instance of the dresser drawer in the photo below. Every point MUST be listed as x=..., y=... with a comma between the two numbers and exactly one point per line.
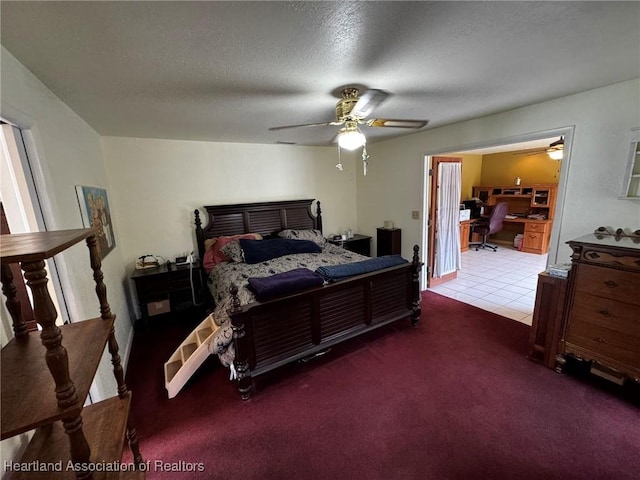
x=606, y=327
x=608, y=259
x=533, y=240
x=608, y=283
x=536, y=227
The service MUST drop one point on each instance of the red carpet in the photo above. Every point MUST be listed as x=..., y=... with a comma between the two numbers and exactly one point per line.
x=454, y=398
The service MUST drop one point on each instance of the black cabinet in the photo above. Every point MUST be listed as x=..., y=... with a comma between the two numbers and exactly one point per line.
x=161, y=290
x=389, y=241
x=359, y=244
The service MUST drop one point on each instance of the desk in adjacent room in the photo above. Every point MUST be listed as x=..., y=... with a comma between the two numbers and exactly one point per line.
x=536, y=233
x=523, y=201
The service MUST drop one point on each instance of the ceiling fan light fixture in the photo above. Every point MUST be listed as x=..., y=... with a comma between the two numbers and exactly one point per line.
x=555, y=154
x=351, y=138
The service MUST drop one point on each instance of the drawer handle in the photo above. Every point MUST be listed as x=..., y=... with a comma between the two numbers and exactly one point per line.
x=605, y=312
x=600, y=340
x=593, y=255
x=611, y=284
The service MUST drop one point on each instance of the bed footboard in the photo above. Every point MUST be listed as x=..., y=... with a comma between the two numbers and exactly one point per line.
x=270, y=334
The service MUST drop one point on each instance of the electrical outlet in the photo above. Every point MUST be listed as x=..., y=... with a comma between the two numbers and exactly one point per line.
x=415, y=215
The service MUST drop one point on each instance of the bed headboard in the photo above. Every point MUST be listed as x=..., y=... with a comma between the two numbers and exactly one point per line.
x=266, y=218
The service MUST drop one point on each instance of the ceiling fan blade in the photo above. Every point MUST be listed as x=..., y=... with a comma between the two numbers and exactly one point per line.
x=396, y=123
x=368, y=102
x=530, y=151
x=322, y=124
x=536, y=152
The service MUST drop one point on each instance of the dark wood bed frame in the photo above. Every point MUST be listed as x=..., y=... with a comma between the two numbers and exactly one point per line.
x=272, y=333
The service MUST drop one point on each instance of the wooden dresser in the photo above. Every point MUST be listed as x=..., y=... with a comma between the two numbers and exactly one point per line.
x=602, y=318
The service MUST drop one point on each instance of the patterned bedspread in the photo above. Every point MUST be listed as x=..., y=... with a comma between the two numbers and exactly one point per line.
x=227, y=273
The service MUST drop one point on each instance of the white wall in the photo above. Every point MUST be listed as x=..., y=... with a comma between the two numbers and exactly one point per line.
x=602, y=118
x=157, y=184
x=69, y=152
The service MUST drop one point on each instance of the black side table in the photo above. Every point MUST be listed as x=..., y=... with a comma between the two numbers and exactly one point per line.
x=161, y=290
x=358, y=244
x=389, y=241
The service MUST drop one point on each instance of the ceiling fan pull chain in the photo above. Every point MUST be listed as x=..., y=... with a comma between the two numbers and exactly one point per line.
x=365, y=159
x=339, y=165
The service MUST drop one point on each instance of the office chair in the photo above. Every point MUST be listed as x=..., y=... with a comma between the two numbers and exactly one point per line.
x=487, y=226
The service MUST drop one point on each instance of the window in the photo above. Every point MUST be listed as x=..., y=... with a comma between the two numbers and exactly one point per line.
x=631, y=187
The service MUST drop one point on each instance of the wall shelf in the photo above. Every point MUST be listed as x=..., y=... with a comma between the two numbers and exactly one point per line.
x=26, y=380
x=104, y=427
x=46, y=375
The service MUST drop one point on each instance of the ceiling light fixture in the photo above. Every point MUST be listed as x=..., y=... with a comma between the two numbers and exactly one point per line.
x=556, y=149
x=350, y=137
x=555, y=154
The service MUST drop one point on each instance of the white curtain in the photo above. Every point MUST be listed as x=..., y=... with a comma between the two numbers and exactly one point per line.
x=447, y=255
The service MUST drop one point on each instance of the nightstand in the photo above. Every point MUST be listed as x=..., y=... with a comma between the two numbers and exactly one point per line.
x=161, y=290
x=358, y=244
x=389, y=241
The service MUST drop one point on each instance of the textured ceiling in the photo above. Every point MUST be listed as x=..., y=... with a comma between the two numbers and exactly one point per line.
x=227, y=71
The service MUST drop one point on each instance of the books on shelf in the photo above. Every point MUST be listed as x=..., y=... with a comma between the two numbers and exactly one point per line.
x=559, y=270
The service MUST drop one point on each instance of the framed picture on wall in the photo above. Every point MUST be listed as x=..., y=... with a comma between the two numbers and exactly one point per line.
x=94, y=209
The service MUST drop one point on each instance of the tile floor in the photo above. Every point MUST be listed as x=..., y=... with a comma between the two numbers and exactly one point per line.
x=503, y=282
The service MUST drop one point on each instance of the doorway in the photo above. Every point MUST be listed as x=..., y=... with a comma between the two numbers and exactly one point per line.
x=520, y=288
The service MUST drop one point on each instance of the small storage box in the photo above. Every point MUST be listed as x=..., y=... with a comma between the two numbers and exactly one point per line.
x=156, y=308
x=517, y=240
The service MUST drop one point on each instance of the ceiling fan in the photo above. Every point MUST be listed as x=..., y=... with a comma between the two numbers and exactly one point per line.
x=555, y=150
x=352, y=110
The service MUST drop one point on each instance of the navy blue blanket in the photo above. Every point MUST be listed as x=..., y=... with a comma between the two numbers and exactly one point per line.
x=266, y=288
x=339, y=272
x=256, y=251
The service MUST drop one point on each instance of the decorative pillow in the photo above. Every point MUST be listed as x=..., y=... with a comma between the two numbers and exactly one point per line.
x=313, y=235
x=214, y=254
x=256, y=252
x=233, y=251
x=208, y=243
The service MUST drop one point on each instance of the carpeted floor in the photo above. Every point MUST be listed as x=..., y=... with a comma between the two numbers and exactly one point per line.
x=454, y=398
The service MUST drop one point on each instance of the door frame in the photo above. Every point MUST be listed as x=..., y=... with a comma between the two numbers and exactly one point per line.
x=567, y=132
x=432, y=221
